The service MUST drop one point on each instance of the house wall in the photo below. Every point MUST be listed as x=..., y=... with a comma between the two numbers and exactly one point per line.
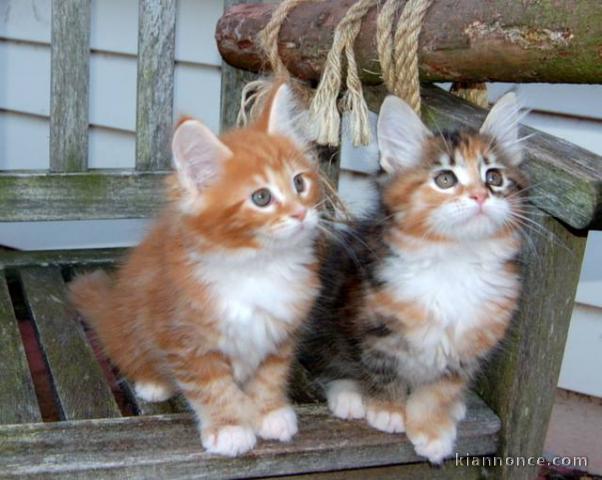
x=568, y=111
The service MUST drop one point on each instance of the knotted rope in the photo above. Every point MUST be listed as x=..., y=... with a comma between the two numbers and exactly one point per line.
x=397, y=45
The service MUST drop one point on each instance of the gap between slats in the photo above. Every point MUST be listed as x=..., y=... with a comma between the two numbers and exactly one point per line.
x=78, y=381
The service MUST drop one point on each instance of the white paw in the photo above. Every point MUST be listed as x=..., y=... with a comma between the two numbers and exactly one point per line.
x=229, y=441
x=153, y=392
x=458, y=411
x=386, y=421
x=435, y=449
x=345, y=400
x=279, y=424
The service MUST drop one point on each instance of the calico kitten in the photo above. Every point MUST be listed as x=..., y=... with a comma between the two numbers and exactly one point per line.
x=211, y=301
x=427, y=286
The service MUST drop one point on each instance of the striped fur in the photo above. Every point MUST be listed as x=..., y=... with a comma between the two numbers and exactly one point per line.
x=210, y=303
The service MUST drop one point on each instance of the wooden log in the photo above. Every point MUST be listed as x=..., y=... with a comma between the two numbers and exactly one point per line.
x=566, y=179
x=69, y=85
x=79, y=383
x=461, y=40
x=154, y=102
x=168, y=446
x=18, y=402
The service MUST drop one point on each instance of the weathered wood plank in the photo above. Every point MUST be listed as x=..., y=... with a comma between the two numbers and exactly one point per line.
x=79, y=383
x=154, y=102
x=469, y=40
x=45, y=258
x=566, y=179
x=79, y=196
x=18, y=402
x=448, y=471
x=69, y=85
x=168, y=446
x=521, y=379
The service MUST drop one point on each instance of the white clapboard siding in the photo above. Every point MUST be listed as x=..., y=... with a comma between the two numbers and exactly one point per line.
x=25, y=79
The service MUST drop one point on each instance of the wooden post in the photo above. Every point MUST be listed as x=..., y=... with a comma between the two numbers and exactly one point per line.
x=69, y=85
x=154, y=103
x=520, y=381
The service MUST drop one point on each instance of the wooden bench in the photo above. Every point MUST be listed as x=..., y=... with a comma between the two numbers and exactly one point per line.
x=98, y=437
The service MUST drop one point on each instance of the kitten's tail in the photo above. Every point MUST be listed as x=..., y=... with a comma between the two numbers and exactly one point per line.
x=91, y=294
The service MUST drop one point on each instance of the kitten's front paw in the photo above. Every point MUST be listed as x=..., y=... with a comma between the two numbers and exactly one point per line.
x=153, y=392
x=434, y=447
x=345, y=400
x=229, y=441
x=390, y=421
x=279, y=424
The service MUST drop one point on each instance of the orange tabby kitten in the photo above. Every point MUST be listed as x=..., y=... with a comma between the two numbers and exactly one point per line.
x=211, y=301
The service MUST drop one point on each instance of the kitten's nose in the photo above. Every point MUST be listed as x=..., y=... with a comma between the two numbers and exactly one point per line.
x=479, y=196
x=300, y=214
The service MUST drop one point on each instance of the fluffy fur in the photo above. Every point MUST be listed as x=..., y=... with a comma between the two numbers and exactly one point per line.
x=420, y=292
x=211, y=301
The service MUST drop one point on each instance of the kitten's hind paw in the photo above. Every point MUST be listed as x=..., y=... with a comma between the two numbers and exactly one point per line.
x=279, y=424
x=229, y=441
x=345, y=399
x=153, y=391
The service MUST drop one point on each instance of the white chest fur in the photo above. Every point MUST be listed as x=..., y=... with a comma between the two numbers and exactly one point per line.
x=257, y=298
x=452, y=284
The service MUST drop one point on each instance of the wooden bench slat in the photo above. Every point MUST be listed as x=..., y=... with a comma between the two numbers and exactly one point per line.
x=154, y=104
x=80, y=385
x=32, y=196
x=168, y=446
x=45, y=258
x=18, y=402
x=70, y=74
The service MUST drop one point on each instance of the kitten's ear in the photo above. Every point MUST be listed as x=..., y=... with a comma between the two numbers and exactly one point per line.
x=284, y=116
x=198, y=154
x=502, y=124
x=401, y=135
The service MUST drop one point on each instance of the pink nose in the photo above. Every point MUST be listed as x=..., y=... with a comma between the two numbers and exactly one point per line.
x=479, y=197
x=300, y=214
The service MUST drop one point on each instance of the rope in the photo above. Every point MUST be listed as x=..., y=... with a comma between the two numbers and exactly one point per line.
x=397, y=45
x=268, y=37
x=398, y=48
x=473, y=92
x=323, y=109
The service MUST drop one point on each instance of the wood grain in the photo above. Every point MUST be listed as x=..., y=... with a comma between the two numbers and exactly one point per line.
x=45, y=258
x=154, y=102
x=79, y=383
x=461, y=40
x=18, y=402
x=521, y=379
x=69, y=85
x=168, y=446
x=36, y=196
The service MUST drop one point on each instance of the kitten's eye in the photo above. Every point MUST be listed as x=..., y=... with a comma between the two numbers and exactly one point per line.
x=262, y=197
x=299, y=183
x=446, y=179
x=494, y=177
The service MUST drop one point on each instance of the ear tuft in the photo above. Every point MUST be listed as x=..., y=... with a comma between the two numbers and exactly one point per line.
x=285, y=116
x=401, y=135
x=502, y=123
x=198, y=154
